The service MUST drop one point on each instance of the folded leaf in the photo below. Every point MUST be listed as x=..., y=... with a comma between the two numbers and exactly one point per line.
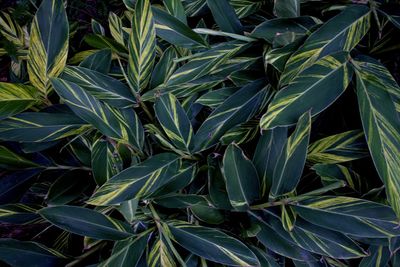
x=176, y=9
x=86, y=222
x=290, y=162
x=99, y=61
x=48, y=47
x=225, y=16
x=137, y=181
x=241, y=178
x=142, y=46
x=174, y=122
x=212, y=244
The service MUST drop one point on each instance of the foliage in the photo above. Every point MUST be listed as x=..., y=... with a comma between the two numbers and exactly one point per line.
x=200, y=133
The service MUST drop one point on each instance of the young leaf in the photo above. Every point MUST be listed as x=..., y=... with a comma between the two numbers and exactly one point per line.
x=290, y=163
x=241, y=178
x=86, y=222
x=266, y=155
x=212, y=244
x=142, y=46
x=341, y=33
x=48, y=47
x=174, y=121
x=137, y=181
x=315, y=88
x=381, y=123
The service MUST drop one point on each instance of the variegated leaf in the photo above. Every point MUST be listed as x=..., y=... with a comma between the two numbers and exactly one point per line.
x=137, y=181
x=315, y=89
x=341, y=33
x=142, y=46
x=381, y=122
x=48, y=43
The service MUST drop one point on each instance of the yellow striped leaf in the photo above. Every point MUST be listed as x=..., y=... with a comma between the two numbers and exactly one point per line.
x=142, y=46
x=19, y=213
x=48, y=43
x=212, y=244
x=315, y=89
x=381, y=123
x=290, y=163
x=11, y=30
x=356, y=217
x=123, y=125
x=15, y=98
x=338, y=148
x=174, y=122
x=137, y=181
x=341, y=33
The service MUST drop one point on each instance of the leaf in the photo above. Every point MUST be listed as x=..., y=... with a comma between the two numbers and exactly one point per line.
x=381, y=123
x=290, y=163
x=24, y=253
x=225, y=16
x=176, y=9
x=164, y=67
x=106, y=161
x=266, y=155
x=48, y=44
x=315, y=88
x=14, y=184
x=86, y=222
x=175, y=122
x=103, y=87
x=41, y=127
x=338, y=148
x=174, y=31
x=287, y=8
x=19, y=213
x=242, y=182
x=123, y=125
x=137, y=181
x=127, y=252
x=142, y=46
x=277, y=243
x=128, y=209
x=317, y=239
x=212, y=244
x=204, y=63
x=238, y=108
x=15, y=98
x=341, y=33
x=215, y=98
x=99, y=61
x=116, y=29
x=67, y=188
x=270, y=29
x=350, y=216
x=161, y=254
x=11, y=160
x=379, y=256
x=10, y=29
